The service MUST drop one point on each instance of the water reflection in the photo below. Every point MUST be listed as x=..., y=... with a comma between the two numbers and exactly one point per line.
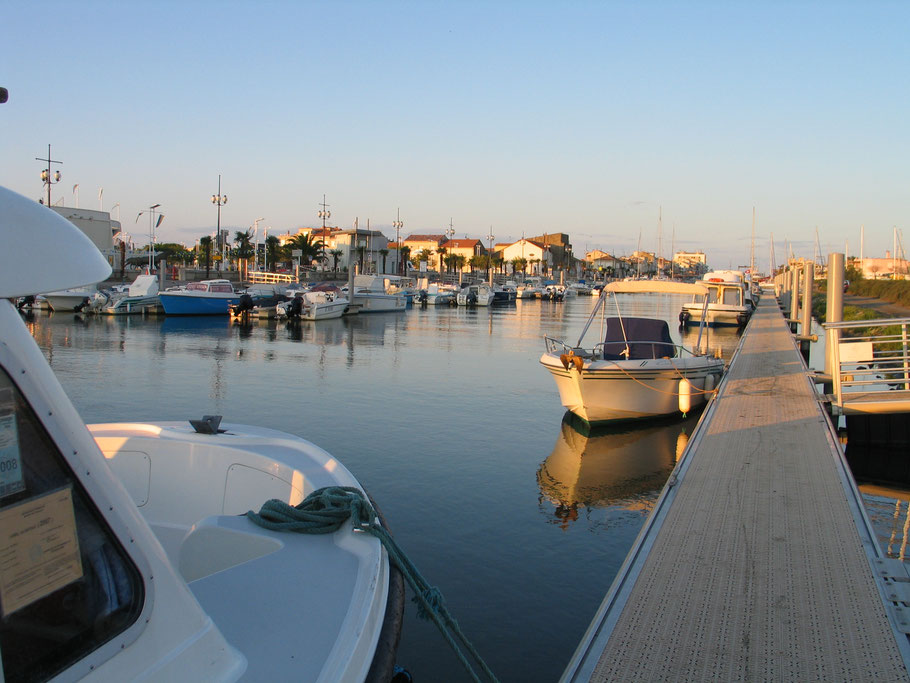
x=621, y=466
x=889, y=511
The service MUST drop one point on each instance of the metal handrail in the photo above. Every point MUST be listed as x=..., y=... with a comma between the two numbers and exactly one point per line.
x=876, y=365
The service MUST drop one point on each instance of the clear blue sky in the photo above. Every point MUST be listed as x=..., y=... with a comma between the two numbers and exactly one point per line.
x=530, y=117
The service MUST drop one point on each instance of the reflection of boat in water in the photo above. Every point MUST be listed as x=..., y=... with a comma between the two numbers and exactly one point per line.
x=610, y=466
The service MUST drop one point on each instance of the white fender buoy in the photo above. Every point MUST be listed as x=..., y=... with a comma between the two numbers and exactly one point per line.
x=685, y=396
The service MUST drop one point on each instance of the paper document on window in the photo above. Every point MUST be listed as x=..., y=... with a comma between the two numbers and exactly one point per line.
x=11, y=479
x=39, y=549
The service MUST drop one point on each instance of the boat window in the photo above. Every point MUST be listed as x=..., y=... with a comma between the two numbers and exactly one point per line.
x=221, y=288
x=731, y=296
x=196, y=287
x=712, y=295
x=66, y=584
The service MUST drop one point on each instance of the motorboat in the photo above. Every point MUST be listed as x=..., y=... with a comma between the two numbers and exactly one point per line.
x=260, y=300
x=729, y=300
x=208, y=297
x=438, y=295
x=74, y=299
x=530, y=289
x=371, y=295
x=128, y=550
x=636, y=370
x=480, y=294
x=141, y=296
x=321, y=304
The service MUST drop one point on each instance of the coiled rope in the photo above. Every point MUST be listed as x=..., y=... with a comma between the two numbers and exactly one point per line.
x=326, y=510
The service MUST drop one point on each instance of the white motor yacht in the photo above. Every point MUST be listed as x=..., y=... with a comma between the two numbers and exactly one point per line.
x=636, y=370
x=729, y=301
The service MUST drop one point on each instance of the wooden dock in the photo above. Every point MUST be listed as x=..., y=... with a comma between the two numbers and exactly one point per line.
x=758, y=562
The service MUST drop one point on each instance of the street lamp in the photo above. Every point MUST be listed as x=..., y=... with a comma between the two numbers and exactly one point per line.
x=323, y=214
x=398, y=225
x=219, y=200
x=46, y=176
x=152, y=225
x=256, y=239
x=490, y=237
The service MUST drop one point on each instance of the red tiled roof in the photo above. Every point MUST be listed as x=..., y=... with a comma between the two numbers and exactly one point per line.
x=461, y=244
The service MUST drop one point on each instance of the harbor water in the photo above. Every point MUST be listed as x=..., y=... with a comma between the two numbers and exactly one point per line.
x=519, y=517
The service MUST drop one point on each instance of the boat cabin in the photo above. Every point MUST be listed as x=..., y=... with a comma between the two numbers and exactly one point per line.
x=211, y=286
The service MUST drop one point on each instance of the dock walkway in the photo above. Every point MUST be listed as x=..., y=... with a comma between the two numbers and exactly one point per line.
x=757, y=563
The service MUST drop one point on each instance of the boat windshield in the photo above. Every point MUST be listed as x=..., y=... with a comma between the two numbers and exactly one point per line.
x=68, y=584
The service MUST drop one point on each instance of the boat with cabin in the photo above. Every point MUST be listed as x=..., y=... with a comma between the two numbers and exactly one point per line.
x=729, y=301
x=140, y=297
x=371, y=295
x=207, y=297
x=636, y=370
x=321, y=304
x=129, y=549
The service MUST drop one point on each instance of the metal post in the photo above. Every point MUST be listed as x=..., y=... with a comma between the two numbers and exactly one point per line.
x=794, y=296
x=834, y=309
x=806, y=329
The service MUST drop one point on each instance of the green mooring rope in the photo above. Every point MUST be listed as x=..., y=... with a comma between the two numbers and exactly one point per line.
x=325, y=510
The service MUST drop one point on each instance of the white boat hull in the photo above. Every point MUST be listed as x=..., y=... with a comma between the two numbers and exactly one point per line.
x=717, y=315
x=324, y=311
x=373, y=302
x=69, y=299
x=630, y=390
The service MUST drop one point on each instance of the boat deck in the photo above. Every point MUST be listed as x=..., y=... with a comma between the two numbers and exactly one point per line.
x=757, y=563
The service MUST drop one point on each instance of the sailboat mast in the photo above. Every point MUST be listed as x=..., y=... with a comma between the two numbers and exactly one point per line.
x=752, y=248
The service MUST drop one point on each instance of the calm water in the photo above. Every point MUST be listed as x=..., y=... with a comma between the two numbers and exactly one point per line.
x=447, y=418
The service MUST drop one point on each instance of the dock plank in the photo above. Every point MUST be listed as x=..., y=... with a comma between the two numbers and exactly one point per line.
x=756, y=568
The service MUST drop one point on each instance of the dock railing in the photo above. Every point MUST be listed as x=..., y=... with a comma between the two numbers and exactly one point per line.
x=869, y=362
x=260, y=277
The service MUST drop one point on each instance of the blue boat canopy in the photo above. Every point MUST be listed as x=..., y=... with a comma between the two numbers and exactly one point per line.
x=644, y=337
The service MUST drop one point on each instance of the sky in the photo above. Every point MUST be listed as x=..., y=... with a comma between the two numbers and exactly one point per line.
x=659, y=124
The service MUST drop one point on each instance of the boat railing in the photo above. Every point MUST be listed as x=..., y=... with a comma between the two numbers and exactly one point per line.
x=871, y=357
x=556, y=346
x=559, y=347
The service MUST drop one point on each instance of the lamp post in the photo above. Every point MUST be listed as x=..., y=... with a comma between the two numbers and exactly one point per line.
x=323, y=214
x=152, y=225
x=450, y=233
x=398, y=225
x=256, y=245
x=219, y=200
x=46, y=176
x=490, y=237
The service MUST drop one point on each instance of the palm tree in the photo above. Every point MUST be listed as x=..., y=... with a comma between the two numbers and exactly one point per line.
x=459, y=261
x=451, y=261
x=477, y=261
x=310, y=247
x=272, y=251
x=534, y=262
x=519, y=264
x=383, y=253
x=206, y=244
x=442, y=253
x=404, y=255
x=424, y=255
x=244, y=250
x=336, y=254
